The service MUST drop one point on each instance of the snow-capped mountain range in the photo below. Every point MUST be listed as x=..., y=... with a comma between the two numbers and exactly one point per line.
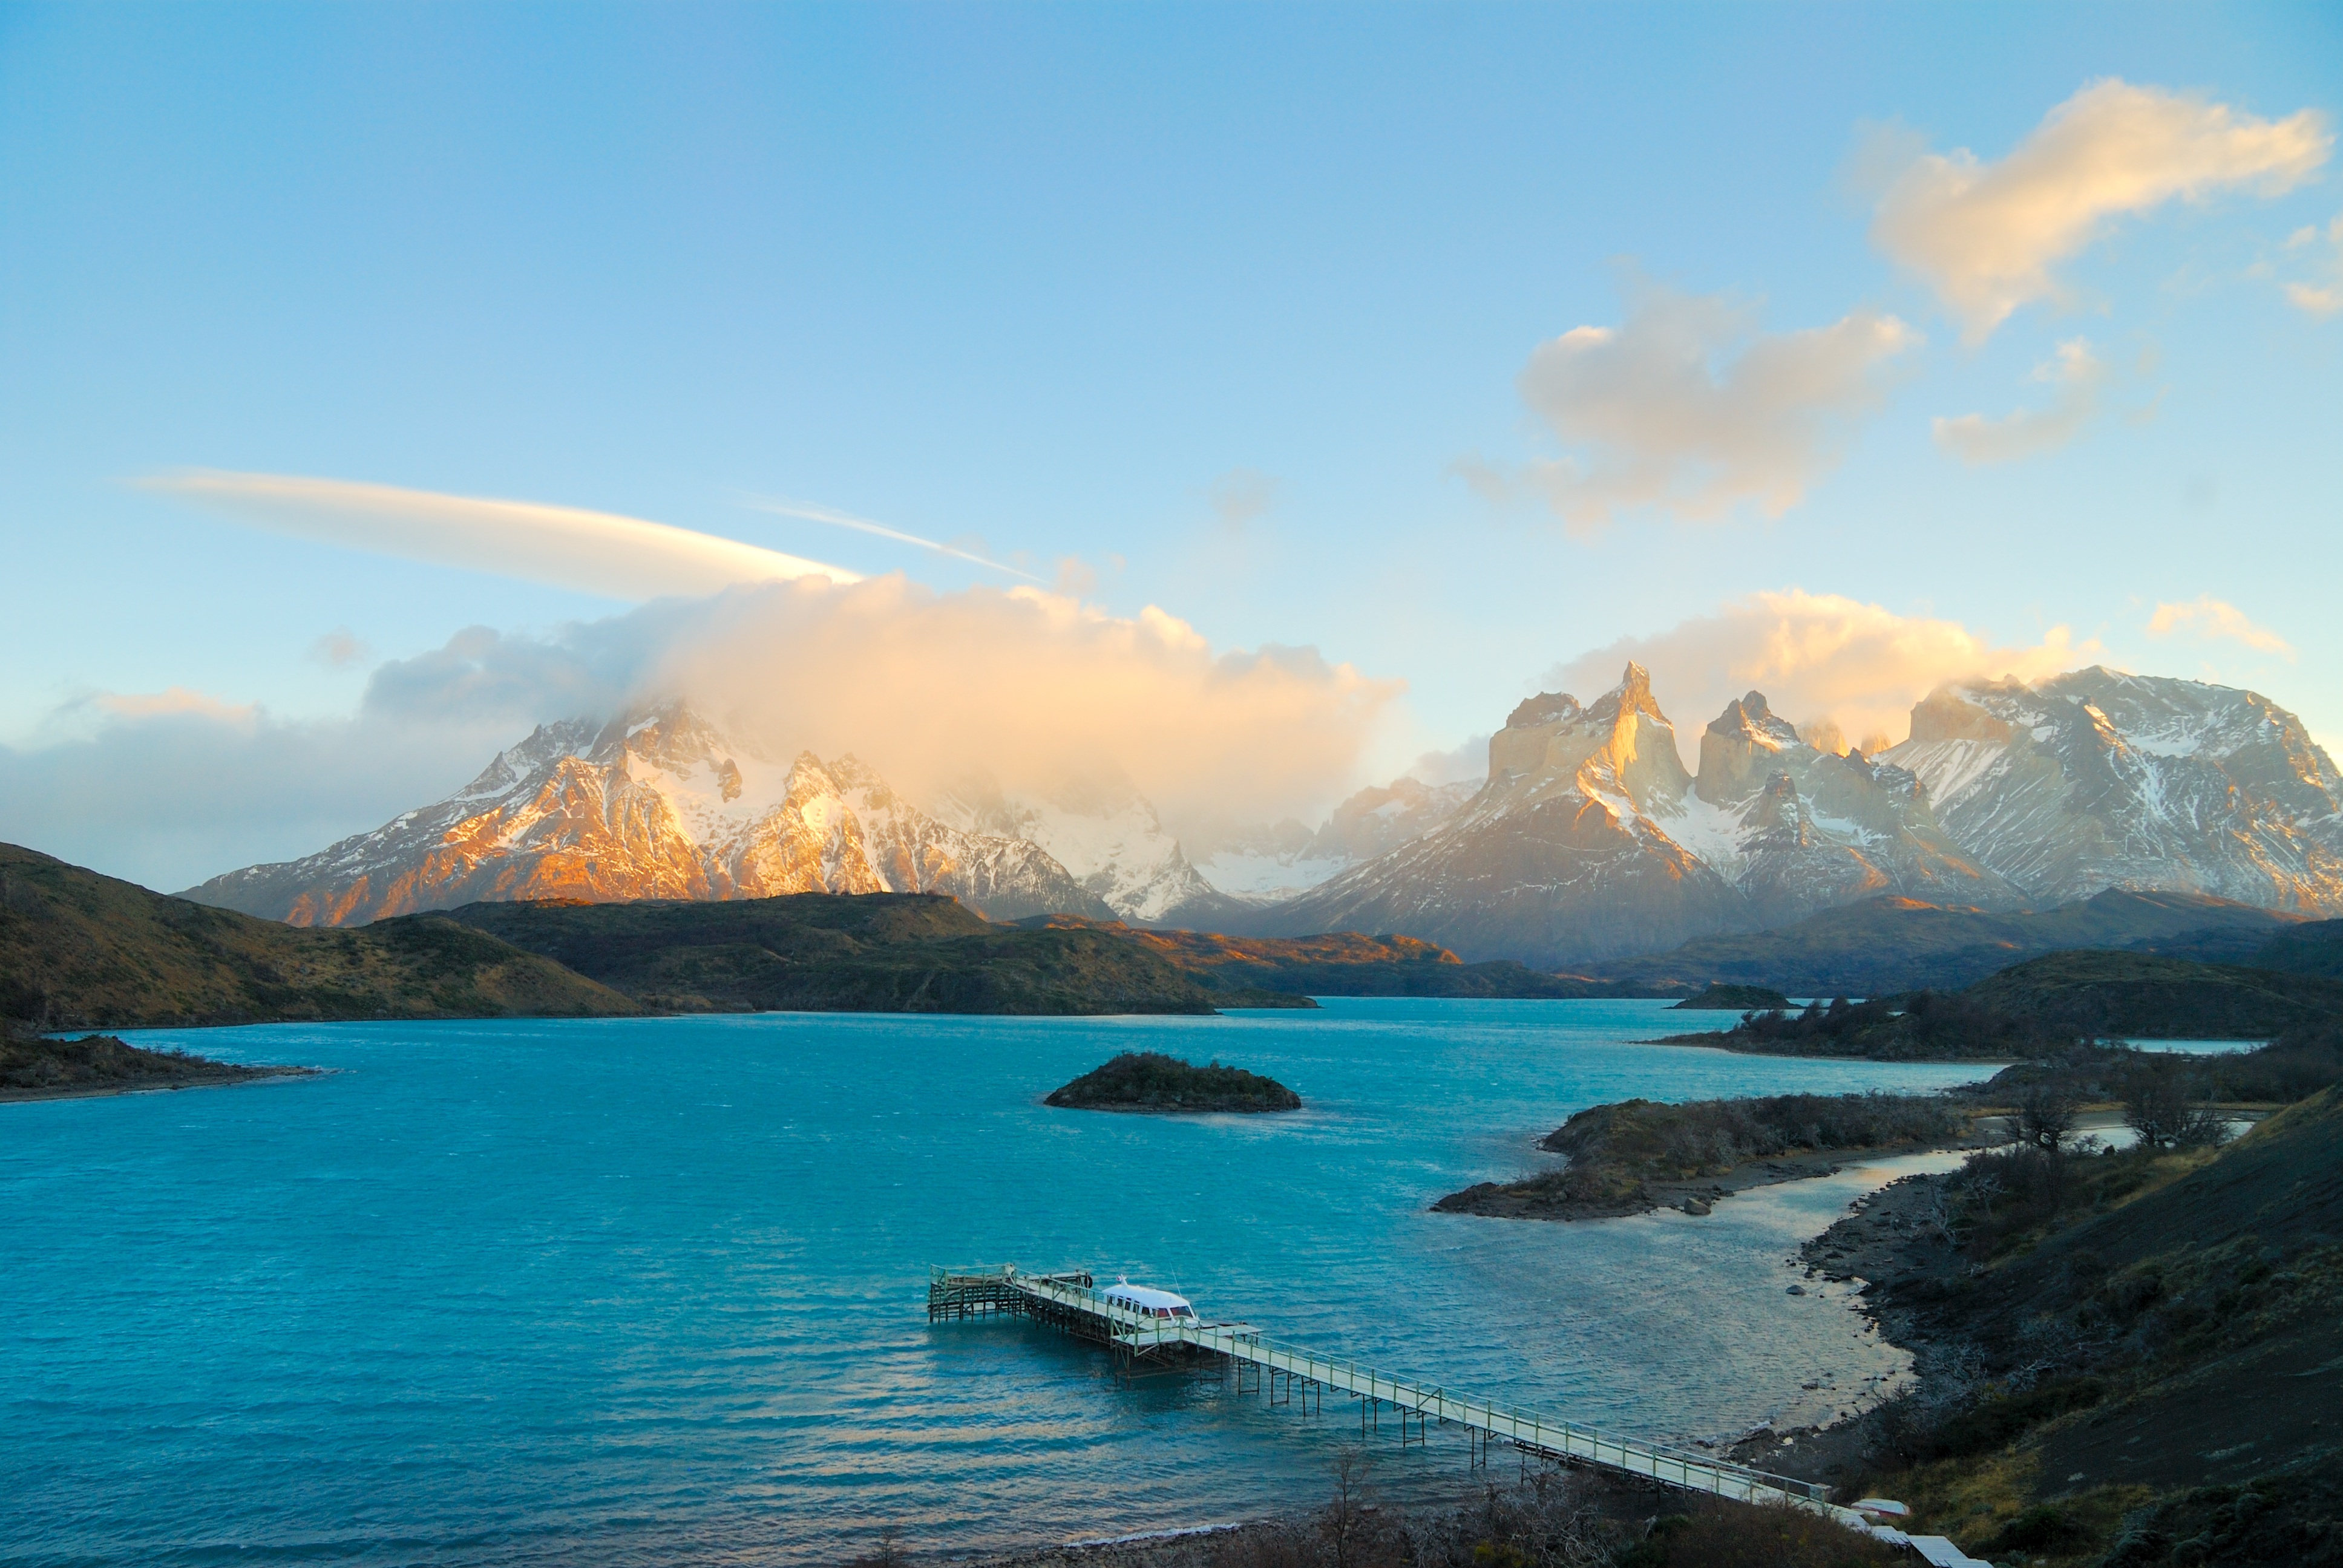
x=1589, y=839
x=656, y=804
x=2098, y=780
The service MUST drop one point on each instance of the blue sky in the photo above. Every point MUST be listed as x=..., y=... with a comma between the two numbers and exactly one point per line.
x=1224, y=304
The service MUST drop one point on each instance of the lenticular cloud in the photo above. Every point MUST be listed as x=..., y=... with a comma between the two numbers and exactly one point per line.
x=563, y=546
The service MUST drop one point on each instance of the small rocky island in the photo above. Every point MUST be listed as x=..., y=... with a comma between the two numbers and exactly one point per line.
x=1148, y=1080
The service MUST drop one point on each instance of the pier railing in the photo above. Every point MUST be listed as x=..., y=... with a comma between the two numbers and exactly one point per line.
x=953, y=1291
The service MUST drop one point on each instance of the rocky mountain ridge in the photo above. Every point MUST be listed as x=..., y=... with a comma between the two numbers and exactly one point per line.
x=2098, y=778
x=1591, y=842
x=656, y=804
x=1590, y=839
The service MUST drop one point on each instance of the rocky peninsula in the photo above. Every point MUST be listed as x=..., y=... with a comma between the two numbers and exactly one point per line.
x=1639, y=1155
x=33, y=1066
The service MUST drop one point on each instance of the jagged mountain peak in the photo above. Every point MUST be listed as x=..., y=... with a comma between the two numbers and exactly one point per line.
x=1546, y=708
x=668, y=734
x=1619, y=750
x=656, y=802
x=1778, y=807
x=1751, y=716
x=2101, y=779
x=1745, y=746
x=1632, y=695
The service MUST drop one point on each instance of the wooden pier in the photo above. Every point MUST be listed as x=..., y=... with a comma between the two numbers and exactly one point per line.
x=1288, y=1374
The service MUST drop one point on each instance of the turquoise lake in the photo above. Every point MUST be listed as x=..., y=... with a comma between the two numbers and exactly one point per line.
x=653, y=1290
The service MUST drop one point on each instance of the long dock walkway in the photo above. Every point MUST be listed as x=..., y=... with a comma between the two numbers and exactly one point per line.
x=1071, y=1303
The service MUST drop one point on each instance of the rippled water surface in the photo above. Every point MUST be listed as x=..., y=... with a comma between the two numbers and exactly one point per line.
x=637, y=1292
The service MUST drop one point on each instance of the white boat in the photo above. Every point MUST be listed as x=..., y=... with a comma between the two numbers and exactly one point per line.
x=1148, y=1303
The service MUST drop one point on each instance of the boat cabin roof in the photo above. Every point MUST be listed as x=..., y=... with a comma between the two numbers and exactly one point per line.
x=1144, y=1298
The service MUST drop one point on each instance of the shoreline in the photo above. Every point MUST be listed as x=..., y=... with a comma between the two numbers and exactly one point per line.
x=1694, y=1195
x=215, y=1080
x=1816, y=1452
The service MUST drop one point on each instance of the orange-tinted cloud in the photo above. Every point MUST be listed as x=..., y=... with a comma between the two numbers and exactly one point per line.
x=1816, y=656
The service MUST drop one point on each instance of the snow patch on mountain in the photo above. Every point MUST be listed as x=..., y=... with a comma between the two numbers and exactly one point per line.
x=656, y=804
x=2097, y=779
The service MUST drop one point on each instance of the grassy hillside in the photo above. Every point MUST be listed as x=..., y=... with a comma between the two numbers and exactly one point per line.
x=79, y=950
x=2316, y=948
x=2137, y=994
x=1888, y=945
x=2146, y=1347
x=1345, y=963
x=827, y=952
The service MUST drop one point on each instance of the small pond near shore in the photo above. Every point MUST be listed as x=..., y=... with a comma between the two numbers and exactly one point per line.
x=652, y=1291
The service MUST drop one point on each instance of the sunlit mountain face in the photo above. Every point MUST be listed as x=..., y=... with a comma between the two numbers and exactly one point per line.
x=1590, y=839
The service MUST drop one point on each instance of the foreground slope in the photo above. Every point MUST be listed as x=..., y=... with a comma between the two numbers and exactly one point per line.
x=2129, y=1359
x=79, y=950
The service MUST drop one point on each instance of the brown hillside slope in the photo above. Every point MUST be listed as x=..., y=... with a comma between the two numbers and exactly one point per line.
x=840, y=952
x=80, y=951
x=1346, y=963
x=2154, y=1370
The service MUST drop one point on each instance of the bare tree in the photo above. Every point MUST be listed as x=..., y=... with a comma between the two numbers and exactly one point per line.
x=2046, y=1116
x=1346, y=1518
x=2156, y=1103
x=1940, y=1212
x=2203, y=1126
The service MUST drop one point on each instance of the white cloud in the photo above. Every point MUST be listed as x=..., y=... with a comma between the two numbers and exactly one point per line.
x=2078, y=375
x=592, y=552
x=2323, y=298
x=1026, y=684
x=1464, y=762
x=1986, y=236
x=1685, y=407
x=2208, y=620
x=1818, y=657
